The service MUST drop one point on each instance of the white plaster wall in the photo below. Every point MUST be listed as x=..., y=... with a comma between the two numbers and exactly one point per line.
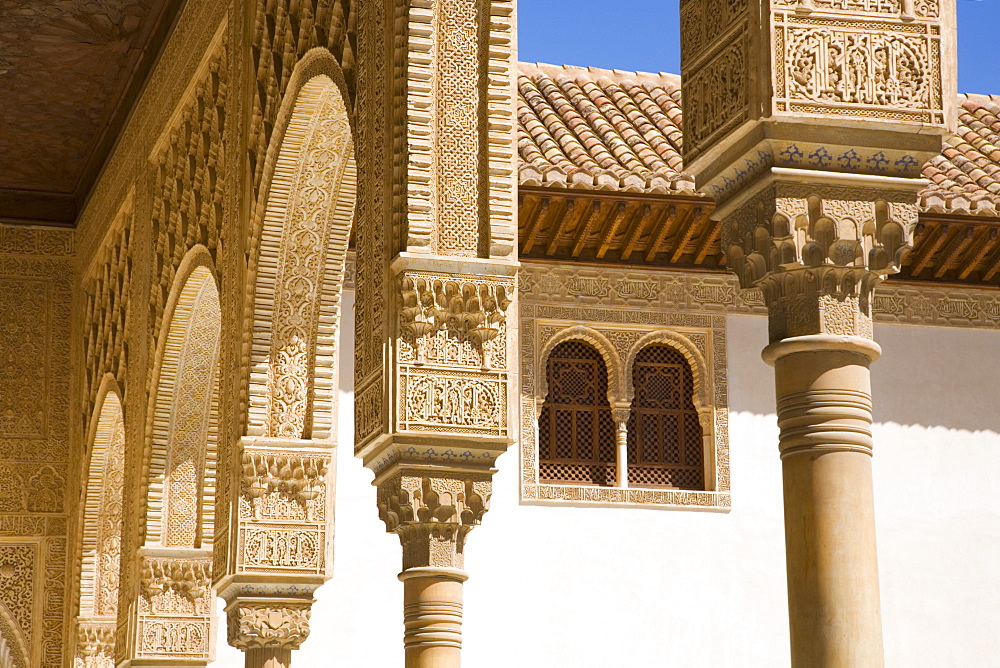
x=585, y=587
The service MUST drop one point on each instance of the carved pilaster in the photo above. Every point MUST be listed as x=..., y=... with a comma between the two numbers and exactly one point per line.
x=435, y=238
x=452, y=416
x=283, y=551
x=432, y=514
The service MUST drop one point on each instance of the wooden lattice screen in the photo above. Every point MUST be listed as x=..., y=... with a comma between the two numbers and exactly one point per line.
x=576, y=433
x=664, y=435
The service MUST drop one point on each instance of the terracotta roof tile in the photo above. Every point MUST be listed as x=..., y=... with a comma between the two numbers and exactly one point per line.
x=965, y=178
x=612, y=130
x=600, y=129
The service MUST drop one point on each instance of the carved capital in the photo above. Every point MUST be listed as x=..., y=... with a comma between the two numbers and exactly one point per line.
x=174, y=606
x=451, y=371
x=95, y=643
x=621, y=414
x=817, y=253
x=268, y=624
x=433, y=515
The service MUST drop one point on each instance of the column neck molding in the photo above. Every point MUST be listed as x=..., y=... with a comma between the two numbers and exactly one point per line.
x=456, y=574
x=821, y=343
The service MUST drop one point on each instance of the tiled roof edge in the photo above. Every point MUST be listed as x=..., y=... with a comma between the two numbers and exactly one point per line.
x=549, y=70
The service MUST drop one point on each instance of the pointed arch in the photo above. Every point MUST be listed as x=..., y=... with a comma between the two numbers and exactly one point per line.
x=299, y=254
x=102, y=505
x=185, y=411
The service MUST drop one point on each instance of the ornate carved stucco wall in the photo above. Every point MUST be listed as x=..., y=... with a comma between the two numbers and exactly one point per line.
x=36, y=282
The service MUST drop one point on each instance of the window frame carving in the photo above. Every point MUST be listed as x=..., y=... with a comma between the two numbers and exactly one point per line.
x=619, y=331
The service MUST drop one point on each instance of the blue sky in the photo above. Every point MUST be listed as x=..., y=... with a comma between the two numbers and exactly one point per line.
x=643, y=35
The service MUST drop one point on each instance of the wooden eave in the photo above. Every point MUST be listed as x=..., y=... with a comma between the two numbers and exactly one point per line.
x=664, y=230
x=615, y=227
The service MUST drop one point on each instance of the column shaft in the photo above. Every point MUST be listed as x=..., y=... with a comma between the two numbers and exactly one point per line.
x=268, y=657
x=432, y=617
x=824, y=413
x=621, y=455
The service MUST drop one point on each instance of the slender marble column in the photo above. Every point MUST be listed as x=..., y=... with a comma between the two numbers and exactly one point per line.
x=268, y=657
x=825, y=413
x=621, y=416
x=432, y=617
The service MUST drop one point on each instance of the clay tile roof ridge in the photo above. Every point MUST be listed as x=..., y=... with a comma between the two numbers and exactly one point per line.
x=618, y=76
x=980, y=98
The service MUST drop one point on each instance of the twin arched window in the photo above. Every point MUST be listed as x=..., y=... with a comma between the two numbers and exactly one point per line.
x=577, y=435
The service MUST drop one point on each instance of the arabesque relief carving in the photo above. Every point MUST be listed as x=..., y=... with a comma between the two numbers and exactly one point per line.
x=452, y=353
x=283, y=511
x=860, y=69
x=36, y=296
x=175, y=607
x=278, y=624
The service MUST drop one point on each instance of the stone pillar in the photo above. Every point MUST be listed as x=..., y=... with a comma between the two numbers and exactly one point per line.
x=808, y=122
x=432, y=616
x=435, y=234
x=269, y=657
x=818, y=277
x=433, y=513
x=824, y=413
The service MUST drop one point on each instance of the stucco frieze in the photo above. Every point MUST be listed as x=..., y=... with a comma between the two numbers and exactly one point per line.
x=568, y=292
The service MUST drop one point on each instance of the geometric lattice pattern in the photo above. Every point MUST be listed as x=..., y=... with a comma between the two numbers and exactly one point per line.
x=665, y=439
x=576, y=433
